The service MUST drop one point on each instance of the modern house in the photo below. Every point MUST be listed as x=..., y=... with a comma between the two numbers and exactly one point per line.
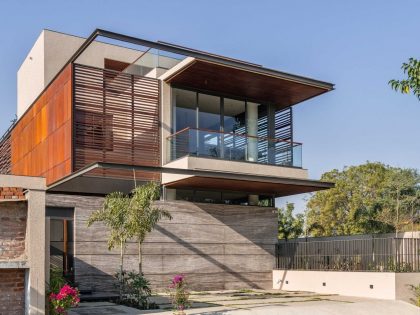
x=112, y=111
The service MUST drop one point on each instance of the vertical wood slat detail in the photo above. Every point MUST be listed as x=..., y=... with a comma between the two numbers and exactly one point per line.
x=41, y=139
x=116, y=120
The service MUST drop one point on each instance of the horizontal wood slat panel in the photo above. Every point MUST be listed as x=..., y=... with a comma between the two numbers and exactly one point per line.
x=116, y=119
x=41, y=139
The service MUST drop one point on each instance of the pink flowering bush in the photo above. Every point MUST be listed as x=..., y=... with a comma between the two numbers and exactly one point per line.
x=179, y=293
x=66, y=297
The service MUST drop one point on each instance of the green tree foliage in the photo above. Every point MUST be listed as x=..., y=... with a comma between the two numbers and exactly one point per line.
x=289, y=226
x=369, y=198
x=412, y=83
x=114, y=215
x=144, y=215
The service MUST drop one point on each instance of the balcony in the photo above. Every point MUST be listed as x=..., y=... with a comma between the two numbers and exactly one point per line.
x=234, y=147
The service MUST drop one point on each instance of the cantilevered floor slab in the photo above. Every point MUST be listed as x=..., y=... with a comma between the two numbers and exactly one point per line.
x=87, y=180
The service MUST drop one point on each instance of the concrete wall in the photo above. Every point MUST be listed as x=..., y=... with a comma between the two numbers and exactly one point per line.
x=30, y=76
x=385, y=285
x=199, y=163
x=215, y=246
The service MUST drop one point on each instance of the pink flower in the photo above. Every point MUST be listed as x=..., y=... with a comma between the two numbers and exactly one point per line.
x=177, y=279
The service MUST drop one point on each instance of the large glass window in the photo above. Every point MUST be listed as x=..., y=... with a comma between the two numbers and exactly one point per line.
x=209, y=124
x=234, y=116
x=227, y=128
x=185, y=109
x=209, y=116
x=221, y=197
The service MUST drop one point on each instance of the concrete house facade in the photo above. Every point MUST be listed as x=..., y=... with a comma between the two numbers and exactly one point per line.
x=112, y=111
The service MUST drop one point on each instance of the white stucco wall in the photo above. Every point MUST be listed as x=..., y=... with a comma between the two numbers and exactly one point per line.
x=386, y=285
x=30, y=76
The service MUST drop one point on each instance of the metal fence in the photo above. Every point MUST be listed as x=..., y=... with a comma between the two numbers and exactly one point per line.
x=374, y=254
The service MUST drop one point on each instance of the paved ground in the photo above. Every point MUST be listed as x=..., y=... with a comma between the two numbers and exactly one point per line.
x=258, y=302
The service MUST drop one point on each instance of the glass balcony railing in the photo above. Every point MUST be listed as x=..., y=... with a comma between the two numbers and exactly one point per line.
x=234, y=147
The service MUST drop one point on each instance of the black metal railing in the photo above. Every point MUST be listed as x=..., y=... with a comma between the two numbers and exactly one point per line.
x=371, y=254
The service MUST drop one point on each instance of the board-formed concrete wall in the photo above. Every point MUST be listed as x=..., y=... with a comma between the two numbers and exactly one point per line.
x=215, y=246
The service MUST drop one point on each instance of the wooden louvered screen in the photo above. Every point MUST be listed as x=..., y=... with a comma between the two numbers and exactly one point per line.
x=283, y=131
x=5, y=154
x=116, y=120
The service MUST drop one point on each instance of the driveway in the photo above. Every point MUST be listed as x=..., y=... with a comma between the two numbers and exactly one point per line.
x=259, y=302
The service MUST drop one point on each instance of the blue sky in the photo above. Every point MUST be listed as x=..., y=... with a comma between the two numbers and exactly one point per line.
x=358, y=45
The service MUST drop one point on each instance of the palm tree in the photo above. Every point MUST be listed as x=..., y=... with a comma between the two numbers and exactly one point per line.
x=144, y=216
x=114, y=215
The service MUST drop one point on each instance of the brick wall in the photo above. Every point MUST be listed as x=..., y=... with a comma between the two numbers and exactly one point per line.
x=11, y=193
x=12, y=291
x=12, y=229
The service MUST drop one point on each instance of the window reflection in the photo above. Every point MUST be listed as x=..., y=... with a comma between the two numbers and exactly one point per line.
x=185, y=109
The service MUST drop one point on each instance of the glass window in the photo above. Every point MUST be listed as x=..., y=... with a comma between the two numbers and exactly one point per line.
x=184, y=194
x=209, y=124
x=207, y=196
x=209, y=107
x=234, y=116
x=185, y=109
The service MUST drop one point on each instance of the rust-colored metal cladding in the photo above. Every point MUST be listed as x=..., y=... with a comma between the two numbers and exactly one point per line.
x=41, y=139
x=116, y=120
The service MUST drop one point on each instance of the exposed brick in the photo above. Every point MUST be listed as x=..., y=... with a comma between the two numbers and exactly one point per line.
x=12, y=292
x=12, y=230
x=11, y=193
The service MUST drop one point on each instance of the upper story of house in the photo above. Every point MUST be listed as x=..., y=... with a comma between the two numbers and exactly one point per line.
x=145, y=109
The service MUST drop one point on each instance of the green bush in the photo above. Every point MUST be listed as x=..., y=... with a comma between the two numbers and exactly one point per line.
x=57, y=280
x=416, y=291
x=135, y=290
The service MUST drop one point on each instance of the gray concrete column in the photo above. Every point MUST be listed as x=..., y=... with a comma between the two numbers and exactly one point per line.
x=36, y=251
x=252, y=141
x=252, y=131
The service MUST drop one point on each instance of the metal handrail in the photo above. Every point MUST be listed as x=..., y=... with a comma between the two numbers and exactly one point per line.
x=232, y=134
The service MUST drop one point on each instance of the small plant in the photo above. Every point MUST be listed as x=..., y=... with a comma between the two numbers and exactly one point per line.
x=135, y=290
x=57, y=280
x=61, y=302
x=179, y=294
x=416, y=291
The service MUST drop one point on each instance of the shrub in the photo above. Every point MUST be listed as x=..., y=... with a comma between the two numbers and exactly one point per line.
x=62, y=301
x=57, y=280
x=179, y=293
x=135, y=290
x=416, y=291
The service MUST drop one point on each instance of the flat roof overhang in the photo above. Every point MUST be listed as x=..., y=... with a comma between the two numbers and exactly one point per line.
x=83, y=181
x=255, y=84
x=231, y=77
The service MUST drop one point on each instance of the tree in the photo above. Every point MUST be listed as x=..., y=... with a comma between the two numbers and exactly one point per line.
x=114, y=214
x=289, y=226
x=144, y=215
x=412, y=83
x=369, y=198
x=400, y=198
